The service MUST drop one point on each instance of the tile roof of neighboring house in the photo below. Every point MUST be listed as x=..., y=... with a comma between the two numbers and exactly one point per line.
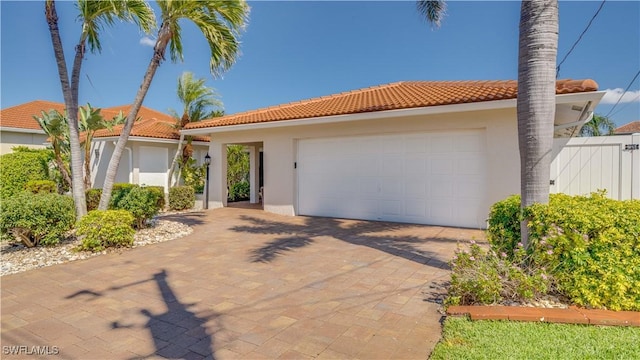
x=21, y=116
x=399, y=95
x=630, y=128
x=152, y=123
x=151, y=128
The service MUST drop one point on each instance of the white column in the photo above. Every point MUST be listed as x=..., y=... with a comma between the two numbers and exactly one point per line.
x=217, y=175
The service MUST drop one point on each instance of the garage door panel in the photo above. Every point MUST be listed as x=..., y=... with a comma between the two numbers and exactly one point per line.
x=441, y=165
x=430, y=178
x=416, y=208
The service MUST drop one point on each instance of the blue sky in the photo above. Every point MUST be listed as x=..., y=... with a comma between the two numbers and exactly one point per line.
x=297, y=50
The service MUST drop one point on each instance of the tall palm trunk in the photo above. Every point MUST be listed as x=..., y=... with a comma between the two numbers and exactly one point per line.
x=538, y=45
x=164, y=34
x=71, y=103
x=87, y=160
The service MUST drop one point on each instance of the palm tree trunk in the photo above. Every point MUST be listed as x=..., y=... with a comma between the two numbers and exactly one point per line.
x=87, y=160
x=158, y=55
x=72, y=109
x=538, y=45
x=174, y=162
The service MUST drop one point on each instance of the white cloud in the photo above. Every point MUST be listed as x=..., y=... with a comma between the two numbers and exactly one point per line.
x=612, y=95
x=147, y=41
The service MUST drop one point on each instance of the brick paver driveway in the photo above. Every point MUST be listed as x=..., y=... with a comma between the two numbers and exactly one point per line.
x=246, y=284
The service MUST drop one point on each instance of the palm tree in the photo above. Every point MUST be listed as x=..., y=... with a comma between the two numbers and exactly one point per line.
x=199, y=102
x=90, y=121
x=536, y=102
x=598, y=126
x=94, y=16
x=219, y=21
x=538, y=47
x=56, y=126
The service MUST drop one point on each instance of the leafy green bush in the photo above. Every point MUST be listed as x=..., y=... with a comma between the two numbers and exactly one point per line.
x=92, y=197
x=159, y=192
x=193, y=175
x=17, y=168
x=484, y=277
x=142, y=203
x=181, y=197
x=590, y=244
x=239, y=191
x=37, y=219
x=119, y=191
x=102, y=229
x=41, y=186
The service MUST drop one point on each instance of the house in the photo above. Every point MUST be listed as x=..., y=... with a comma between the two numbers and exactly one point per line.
x=19, y=128
x=428, y=152
x=630, y=128
x=149, y=152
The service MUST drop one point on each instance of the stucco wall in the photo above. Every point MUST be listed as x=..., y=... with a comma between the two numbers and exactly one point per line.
x=10, y=139
x=279, y=147
x=139, y=162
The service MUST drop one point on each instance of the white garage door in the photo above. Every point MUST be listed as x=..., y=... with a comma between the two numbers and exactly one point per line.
x=436, y=178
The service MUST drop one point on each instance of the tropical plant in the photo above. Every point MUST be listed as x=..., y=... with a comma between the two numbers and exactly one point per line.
x=90, y=121
x=237, y=165
x=538, y=47
x=56, y=126
x=199, y=102
x=598, y=126
x=94, y=16
x=219, y=21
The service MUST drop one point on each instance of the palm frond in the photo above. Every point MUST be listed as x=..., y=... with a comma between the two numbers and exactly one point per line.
x=432, y=10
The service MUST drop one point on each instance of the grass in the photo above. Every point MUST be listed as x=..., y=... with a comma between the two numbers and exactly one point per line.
x=465, y=339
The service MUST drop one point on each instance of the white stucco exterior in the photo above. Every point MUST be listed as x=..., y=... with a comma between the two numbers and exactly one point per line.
x=280, y=151
x=10, y=138
x=144, y=161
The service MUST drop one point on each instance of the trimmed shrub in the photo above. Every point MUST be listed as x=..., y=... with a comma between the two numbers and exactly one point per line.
x=18, y=168
x=37, y=219
x=103, y=229
x=239, y=191
x=159, y=192
x=93, y=198
x=142, y=203
x=119, y=191
x=41, y=186
x=590, y=244
x=182, y=198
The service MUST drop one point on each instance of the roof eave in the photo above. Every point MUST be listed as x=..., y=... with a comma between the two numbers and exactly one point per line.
x=22, y=130
x=593, y=96
x=147, y=139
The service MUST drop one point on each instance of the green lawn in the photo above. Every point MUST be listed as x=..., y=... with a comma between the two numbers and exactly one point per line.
x=465, y=339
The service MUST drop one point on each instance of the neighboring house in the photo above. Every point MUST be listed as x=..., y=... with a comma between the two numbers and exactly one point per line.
x=19, y=128
x=424, y=152
x=149, y=152
x=630, y=128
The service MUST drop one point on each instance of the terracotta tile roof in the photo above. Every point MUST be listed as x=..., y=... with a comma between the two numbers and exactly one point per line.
x=630, y=128
x=21, y=116
x=399, y=95
x=152, y=123
x=150, y=128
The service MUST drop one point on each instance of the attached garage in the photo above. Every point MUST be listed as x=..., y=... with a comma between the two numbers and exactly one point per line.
x=425, y=178
x=426, y=152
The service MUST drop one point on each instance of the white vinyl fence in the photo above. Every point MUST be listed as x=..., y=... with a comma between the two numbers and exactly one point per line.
x=587, y=164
